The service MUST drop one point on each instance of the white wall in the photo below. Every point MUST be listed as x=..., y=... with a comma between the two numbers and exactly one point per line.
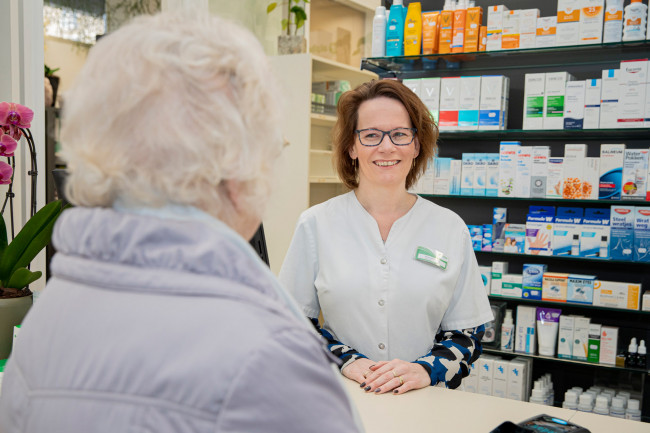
x=67, y=55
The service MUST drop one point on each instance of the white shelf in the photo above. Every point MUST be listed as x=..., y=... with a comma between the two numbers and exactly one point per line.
x=320, y=152
x=328, y=70
x=316, y=179
x=367, y=6
x=322, y=119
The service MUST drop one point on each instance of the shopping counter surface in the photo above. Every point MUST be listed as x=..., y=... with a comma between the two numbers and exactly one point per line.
x=434, y=409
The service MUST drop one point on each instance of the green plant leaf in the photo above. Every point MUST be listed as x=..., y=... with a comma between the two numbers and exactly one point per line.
x=3, y=236
x=271, y=7
x=23, y=277
x=299, y=12
x=285, y=24
x=31, y=239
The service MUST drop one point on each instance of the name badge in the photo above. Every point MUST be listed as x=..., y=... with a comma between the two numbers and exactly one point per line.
x=435, y=258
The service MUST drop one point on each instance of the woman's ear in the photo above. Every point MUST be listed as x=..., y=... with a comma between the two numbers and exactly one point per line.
x=417, y=148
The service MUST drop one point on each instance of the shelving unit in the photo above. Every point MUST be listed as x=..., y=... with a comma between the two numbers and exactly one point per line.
x=583, y=62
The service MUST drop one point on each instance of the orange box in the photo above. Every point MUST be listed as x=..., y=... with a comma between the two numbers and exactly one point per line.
x=458, y=31
x=430, y=32
x=511, y=35
x=482, y=39
x=473, y=22
x=446, y=28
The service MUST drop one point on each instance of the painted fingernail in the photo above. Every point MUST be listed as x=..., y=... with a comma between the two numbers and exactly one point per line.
x=378, y=389
x=362, y=385
x=367, y=388
x=395, y=391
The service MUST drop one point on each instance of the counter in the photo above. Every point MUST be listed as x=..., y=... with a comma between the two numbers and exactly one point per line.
x=439, y=409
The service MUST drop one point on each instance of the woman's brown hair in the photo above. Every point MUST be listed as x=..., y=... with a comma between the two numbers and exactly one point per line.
x=346, y=124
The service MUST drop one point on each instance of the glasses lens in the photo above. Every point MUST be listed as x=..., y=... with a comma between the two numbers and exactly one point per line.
x=370, y=137
x=401, y=136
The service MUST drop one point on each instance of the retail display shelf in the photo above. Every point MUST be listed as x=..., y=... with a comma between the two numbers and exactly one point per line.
x=566, y=361
x=320, y=152
x=541, y=303
x=322, y=119
x=325, y=69
x=584, y=259
x=547, y=56
x=318, y=179
x=539, y=199
x=548, y=134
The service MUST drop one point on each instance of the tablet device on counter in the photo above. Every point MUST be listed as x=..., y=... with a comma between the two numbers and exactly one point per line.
x=540, y=424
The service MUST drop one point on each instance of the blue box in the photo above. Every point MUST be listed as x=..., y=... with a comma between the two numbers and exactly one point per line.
x=487, y=238
x=642, y=234
x=621, y=246
x=580, y=289
x=476, y=234
x=533, y=277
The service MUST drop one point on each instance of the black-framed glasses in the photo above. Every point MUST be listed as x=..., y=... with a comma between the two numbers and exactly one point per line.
x=398, y=136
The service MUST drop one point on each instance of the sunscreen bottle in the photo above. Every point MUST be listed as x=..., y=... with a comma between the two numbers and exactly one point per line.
x=379, y=32
x=446, y=27
x=395, y=30
x=634, y=21
x=413, y=30
x=458, y=27
x=613, y=27
x=430, y=29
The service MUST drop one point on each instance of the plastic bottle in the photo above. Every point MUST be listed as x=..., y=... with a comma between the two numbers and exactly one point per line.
x=630, y=359
x=379, y=32
x=633, y=412
x=537, y=396
x=458, y=27
x=603, y=250
x=575, y=245
x=601, y=407
x=571, y=400
x=445, y=25
x=507, y=330
x=413, y=30
x=634, y=21
x=613, y=27
x=641, y=359
x=585, y=402
x=618, y=407
x=395, y=30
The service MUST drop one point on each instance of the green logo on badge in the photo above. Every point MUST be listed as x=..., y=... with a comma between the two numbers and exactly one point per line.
x=435, y=258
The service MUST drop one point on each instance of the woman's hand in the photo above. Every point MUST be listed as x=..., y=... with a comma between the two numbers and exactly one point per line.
x=358, y=370
x=397, y=376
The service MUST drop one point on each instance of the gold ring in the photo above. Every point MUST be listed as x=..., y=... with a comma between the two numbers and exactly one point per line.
x=366, y=373
x=401, y=381
x=394, y=374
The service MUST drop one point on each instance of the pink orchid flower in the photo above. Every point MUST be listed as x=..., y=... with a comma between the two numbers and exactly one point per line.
x=15, y=116
x=7, y=145
x=5, y=173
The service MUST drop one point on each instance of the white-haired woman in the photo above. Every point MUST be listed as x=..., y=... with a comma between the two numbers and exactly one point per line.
x=159, y=316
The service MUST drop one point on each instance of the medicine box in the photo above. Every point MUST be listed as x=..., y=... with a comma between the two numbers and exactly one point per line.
x=554, y=286
x=642, y=234
x=546, y=32
x=592, y=104
x=635, y=174
x=519, y=374
x=554, y=99
x=507, y=167
x=574, y=161
x=612, y=157
x=565, y=337
x=580, y=338
x=580, y=289
x=500, y=372
x=591, y=178
x=468, y=114
x=441, y=175
x=525, y=335
x=495, y=27
x=523, y=173
x=511, y=32
x=574, y=105
x=609, y=95
x=539, y=171
x=515, y=238
x=492, y=175
x=645, y=306
x=430, y=95
x=467, y=179
x=554, y=177
x=511, y=286
x=614, y=294
x=415, y=84
x=591, y=21
x=493, y=102
x=622, y=232
x=499, y=216
x=499, y=269
x=470, y=383
x=528, y=27
x=486, y=277
x=480, y=174
x=568, y=22
x=476, y=234
x=485, y=374
x=539, y=230
x=631, y=109
x=608, y=345
x=613, y=27
x=532, y=280
x=449, y=103
x=594, y=237
x=593, y=345
x=534, y=101
x=455, y=176
x=566, y=231
x=487, y=238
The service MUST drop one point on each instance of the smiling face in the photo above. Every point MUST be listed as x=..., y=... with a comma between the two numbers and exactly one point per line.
x=385, y=164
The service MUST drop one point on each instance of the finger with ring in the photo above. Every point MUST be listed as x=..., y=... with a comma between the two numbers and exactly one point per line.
x=394, y=374
x=366, y=373
x=401, y=381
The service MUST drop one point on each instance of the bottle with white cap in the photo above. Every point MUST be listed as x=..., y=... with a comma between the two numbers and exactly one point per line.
x=571, y=400
x=537, y=396
x=618, y=407
x=641, y=359
x=633, y=412
x=630, y=360
x=379, y=32
x=507, y=332
x=585, y=402
x=601, y=407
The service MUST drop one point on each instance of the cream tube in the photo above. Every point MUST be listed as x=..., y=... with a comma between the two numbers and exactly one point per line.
x=547, y=326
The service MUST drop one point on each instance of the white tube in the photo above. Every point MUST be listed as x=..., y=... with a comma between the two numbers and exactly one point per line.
x=547, y=327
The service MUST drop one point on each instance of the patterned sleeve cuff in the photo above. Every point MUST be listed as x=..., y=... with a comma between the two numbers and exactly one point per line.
x=346, y=354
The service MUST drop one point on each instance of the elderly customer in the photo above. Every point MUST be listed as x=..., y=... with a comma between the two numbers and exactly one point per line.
x=159, y=316
x=393, y=274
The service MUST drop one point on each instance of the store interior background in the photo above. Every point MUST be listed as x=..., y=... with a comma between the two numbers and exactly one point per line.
x=295, y=187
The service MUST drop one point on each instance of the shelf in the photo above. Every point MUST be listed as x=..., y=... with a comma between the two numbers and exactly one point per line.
x=548, y=200
x=583, y=259
x=568, y=304
x=366, y=6
x=325, y=70
x=594, y=54
x=320, y=152
x=546, y=134
x=567, y=361
x=316, y=179
x=322, y=119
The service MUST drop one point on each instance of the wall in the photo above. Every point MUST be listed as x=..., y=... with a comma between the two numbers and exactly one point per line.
x=67, y=55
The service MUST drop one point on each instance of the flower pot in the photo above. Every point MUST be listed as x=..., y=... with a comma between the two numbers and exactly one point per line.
x=291, y=44
x=12, y=312
x=54, y=81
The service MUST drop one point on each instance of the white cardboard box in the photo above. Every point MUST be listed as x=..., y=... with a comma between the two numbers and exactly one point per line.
x=612, y=157
x=554, y=94
x=500, y=372
x=613, y=27
x=518, y=374
x=546, y=32
x=524, y=171
x=631, y=110
x=493, y=102
x=609, y=97
x=568, y=22
x=525, y=335
x=555, y=177
x=511, y=34
x=608, y=345
x=449, y=103
x=574, y=105
x=485, y=374
x=565, y=337
x=468, y=114
x=430, y=95
x=591, y=178
x=580, y=338
x=495, y=26
x=528, y=27
x=508, y=168
x=592, y=104
x=539, y=171
x=499, y=269
x=591, y=21
x=574, y=162
x=635, y=174
x=534, y=101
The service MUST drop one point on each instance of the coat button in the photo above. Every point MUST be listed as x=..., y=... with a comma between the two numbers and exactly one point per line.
x=381, y=302
x=383, y=261
x=381, y=346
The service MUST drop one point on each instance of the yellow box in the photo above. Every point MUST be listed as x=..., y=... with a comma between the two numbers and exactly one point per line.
x=615, y=294
x=554, y=286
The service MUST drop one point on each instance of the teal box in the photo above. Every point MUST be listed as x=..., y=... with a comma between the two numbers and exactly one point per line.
x=580, y=289
x=533, y=277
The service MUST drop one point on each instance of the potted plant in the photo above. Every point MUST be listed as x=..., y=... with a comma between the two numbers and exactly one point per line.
x=296, y=16
x=54, y=81
x=17, y=251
